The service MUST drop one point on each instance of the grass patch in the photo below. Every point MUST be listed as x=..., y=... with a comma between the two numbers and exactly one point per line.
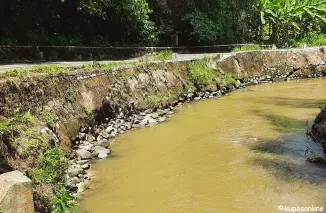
x=201, y=73
x=153, y=100
x=50, y=69
x=226, y=80
x=163, y=56
x=247, y=48
x=47, y=118
x=90, y=117
x=312, y=40
x=71, y=94
x=5, y=129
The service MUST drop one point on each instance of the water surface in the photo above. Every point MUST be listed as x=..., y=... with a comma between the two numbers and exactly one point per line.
x=240, y=153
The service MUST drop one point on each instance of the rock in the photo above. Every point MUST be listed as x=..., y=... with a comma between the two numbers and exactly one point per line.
x=102, y=155
x=16, y=193
x=197, y=98
x=82, y=162
x=109, y=129
x=86, y=147
x=161, y=119
x=75, y=171
x=81, y=187
x=83, y=154
x=103, y=142
x=155, y=115
x=100, y=152
x=152, y=121
x=72, y=181
x=85, y=166
x=105, y=135
x=82, y=136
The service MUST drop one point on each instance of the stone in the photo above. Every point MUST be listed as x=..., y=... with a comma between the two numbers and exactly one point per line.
x=152, y=121
x=103, y=142
x=99, y=151
x=105, y=135
x=197, y=98
x=75, y=171
x=155, y=115
x=82, y=162
x=102, y=155
x=82, y=136
x=71, y=182
x=16, y=193
x=85, y=166
x=109, y=129
x=81, y=187
x=161, y=119
x=83, y=154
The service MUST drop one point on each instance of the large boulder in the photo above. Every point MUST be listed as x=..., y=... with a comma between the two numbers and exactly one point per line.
x=318, y=131
x=16, y=193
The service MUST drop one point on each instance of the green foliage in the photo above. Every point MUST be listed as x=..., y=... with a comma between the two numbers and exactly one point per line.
x=16, y=72
x=155, y=99
x=51, y=168
x=90, y=117
x=163, y=56
x=35, y=144
x=226, y=80
x=27, y=118
x=63, y=202
x=247, y=48
x=47, y=118
x=49, y=69
x=291, y=18
x=5, y=129
x=312, y=40
x=111, y=65
x=202, y=27
x=201, y=72
x=71, y=94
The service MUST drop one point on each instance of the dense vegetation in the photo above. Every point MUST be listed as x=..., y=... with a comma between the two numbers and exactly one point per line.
x=157, y=22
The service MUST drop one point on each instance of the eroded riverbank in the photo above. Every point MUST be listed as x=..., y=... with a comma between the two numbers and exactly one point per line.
x=244, y=152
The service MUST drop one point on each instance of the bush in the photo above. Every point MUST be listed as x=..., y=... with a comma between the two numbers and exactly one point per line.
x=51, y=168
x=201, y=73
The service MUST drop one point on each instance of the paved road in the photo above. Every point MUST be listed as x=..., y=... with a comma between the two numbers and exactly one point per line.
x=178, y=57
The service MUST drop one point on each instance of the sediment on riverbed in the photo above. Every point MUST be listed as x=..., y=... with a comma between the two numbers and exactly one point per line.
x=89, y=108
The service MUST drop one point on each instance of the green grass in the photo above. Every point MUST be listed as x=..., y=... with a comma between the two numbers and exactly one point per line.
x=163, y=56
x=201, y=73
x=47, y=118
x=5, y=129
x=110, y=65
x=312, y=40
x=50, y=69
x=247, y=48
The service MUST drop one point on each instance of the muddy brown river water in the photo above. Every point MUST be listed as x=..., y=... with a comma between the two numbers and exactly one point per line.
x=242, y=153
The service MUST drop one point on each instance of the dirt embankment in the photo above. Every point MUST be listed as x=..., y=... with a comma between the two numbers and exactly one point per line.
x=70, y=100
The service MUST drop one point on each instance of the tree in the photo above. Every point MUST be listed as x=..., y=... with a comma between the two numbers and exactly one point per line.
x=288, y=19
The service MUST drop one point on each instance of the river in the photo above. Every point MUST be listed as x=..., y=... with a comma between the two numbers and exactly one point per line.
x=241, y=153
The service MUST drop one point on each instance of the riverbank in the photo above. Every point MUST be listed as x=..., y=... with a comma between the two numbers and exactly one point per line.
x=131, y=96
